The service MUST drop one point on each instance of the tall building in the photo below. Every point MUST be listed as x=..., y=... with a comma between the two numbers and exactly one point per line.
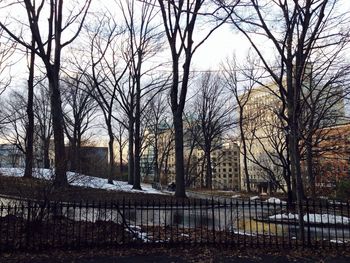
x=225, y=163
x=265, y=131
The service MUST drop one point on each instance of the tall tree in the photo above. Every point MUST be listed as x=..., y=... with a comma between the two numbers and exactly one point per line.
x=297, y=31
x=79, y=113
x=49, y=50
x=106, y=70
x=30, y=114
x=213, y=113
x=143, y=44
x=181, y=19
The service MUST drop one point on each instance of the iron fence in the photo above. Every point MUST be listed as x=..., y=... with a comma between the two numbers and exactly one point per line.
x=40, y=225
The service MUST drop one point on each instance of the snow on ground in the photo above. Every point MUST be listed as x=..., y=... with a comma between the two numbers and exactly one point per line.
x=254, y=198
x=235, y=196
x=274, y=200
x=314, y=218
x=289, y=216
x=83, y=180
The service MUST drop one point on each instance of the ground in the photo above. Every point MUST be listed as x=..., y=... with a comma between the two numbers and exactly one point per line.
x=201, y=254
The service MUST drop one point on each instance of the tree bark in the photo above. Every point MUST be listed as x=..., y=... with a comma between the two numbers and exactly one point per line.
x=179, y=155
x=60, y=179
x=244, y=146
x=131, y=151
x=30, y=114
x=111, y=154
x=137, y=154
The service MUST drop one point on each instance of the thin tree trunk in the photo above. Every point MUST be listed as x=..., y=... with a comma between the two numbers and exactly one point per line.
x=46, y=157
x=209, y=171
x=155, y=161
x=137, y=168
x=131, y=151
x=111, y=155
x=244, y=146
x=30, y=128
x=120, y=159
x=310, y=168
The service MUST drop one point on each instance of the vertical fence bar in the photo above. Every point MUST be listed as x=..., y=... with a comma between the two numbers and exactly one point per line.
x=308, y=223
x=250, y=222
x=335, y=223
x=275, y=225
x=122, y=221
x=1, y=226
x=183, y=222
x=171, y=221
x=213, y=220
x=225, y=223
x=188, y=209
x=269, y=223
x=165, y=221
x=159, y=221
x=237, y=220
x=256, y=223
x=153, y=219
x=231, y=224
x=194, y=239
x=263, y=223
x=316, y=211
x=328, y=225
x=348, y=215
x=322, y=224
x=79, y=225
x=207, y=219
x=201, y=220
x=342, y=224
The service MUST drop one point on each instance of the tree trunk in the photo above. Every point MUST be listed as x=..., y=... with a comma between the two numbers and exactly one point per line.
x=137, y=168
x=30, y=114
x=120, y=159
x=111, y=155
x=310, y=168
x=131, y=151
x=209, y=170
x=244, y=146
x=179, y=155
x=46, y=154
x=57, y=123
x=155, y=160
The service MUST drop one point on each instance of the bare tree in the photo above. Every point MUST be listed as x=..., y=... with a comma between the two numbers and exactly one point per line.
x=16, y=122
x=7, y=49
x=297, y=31
x=43, y=120
x=106, y=71
x=143, y=43
x=179, y=19
x=79, y=113
x=49, y=50
x=213, y=114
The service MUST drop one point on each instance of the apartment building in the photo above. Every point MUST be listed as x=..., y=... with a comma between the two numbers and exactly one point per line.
x=225, y=163
x=265, y=134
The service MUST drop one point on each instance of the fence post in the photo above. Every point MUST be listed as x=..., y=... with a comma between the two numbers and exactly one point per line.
x=27, y=225
x=213, y=218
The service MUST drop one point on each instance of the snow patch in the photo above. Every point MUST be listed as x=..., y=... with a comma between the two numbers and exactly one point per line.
x=81, y=180
x=274, y=200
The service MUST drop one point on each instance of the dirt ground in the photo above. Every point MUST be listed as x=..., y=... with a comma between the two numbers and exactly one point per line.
x=180, y=254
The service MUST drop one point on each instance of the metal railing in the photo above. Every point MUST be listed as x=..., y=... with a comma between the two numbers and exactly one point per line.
x=29, y=225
